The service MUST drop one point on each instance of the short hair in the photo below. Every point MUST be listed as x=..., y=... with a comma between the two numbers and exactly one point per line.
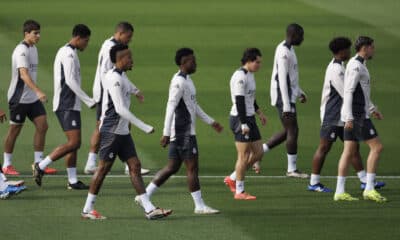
x=250, y=54
x=124, y=27
x=338, y=44
x=294, y=27
x=115, y=49
x=81, y=30
x=363, y=41
x=182, y=52
x=30, y=25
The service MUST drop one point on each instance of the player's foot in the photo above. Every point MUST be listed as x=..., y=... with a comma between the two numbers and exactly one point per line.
x=318, y=188
x=49, y=170
x=11, y=190
x=90, y=169
x=230, y=183
x=92, y=215
x=15, y=182
x=257, y=167
x=206, y=210
x=378, y=185
x=143, y=171
x=244, y=196
x=4, y=195
x=344, y=197
x=77, y=186
x=10, y=170
x=374, y=195
x=158, y=213
x=297, y=174
x=37, y=174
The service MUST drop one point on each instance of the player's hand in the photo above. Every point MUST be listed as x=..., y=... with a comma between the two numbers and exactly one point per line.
x=151, y=131
x=378, y=115
x=140, y=97
x=164, y=141
x=3, y=116
x=245, y=129
x=348, y=125
x=42, y=97
x=263, y=119
x=303, y=98
x=93, y=105
x=217, y=127
x=286, y=114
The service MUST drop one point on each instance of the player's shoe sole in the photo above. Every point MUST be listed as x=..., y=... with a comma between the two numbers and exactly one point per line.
x=93, y=215
x=319, y=188
x=344, y=197
x=206, y=210
x=297, y=174
x=373, y=195
x=244, y=196
x=158, y=213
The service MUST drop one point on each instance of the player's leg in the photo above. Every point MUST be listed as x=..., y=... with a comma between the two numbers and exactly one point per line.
x=90, y=166
x=243, y=152
x=317, y=164
x=9, y=143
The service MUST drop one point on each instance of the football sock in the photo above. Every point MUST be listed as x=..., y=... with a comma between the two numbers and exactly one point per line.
x=72, y=178
x=151, y=188
x=292, y=158
x=239, y=186
x=198, y=200
x=370, y=181
x=2, y=176
x=315, y=178
x=7, y=159
x=91, y=161
x=341, y=181
x=265, y=147
x=126, y=168
x=3, y=184
x=45, y=162
x=233, y=176
x=147, y=205
x=362, y=175
x=90, y=200
x=38, y=156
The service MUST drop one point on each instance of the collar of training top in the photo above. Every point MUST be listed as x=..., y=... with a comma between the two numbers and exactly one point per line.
x=287, y=45
x=118, y=71
x=337, y=61
x=26, y=44
x=244, y=70
x=182, y=74
x=70, y=45
x=114, y=40
x=360, y=59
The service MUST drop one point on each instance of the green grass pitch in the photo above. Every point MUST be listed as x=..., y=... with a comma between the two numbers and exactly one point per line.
x=218, y=31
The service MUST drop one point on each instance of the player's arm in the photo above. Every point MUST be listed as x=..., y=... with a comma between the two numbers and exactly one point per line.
x=3, y=116
x=207, y=119
x=239, y=91
x=283, y=71
x=135, y=91
x=116, y=96
x=72, y=82
x=373, y=110
x=350, y=83
x=260, y=114
x=338, y=82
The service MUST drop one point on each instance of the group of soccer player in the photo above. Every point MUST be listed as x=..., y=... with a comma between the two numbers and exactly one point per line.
x=345, y=112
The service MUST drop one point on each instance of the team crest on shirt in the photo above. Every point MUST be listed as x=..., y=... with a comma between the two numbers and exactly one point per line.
x=371, y=132
x=357, y=69
x=285, y=57
x=117, y=84
x=241, y=82
x=176, y=86
x=73, y=123
x=71, y=56
x=341, y=74
x=23, y=55
x=194, y=150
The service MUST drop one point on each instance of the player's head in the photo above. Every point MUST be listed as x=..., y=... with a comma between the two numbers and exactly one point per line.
x=123, y=32
x=295, y=34
x=31, y=30
x=81, y=36
x=121, y=57
x=365, y=46
x=340, y=47
x=186, y=60
x=251, y=59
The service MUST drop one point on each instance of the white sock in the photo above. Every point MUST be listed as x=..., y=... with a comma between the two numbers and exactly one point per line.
x=72, y=178
x=126, y=168
x=315, y=178
x=341, y=182
x=45, y=162
x=265, y=148
x=233, y=176
x=147, y=205
x=90, y=200
x=7, y=159
x=362, y=175
x=3, y=184
x=370, y=181
x=197, y=199
x=291, y=158
x=91, y=161
x=239, y=186
x=3, y=177
x=151, y=188
x=38, y=156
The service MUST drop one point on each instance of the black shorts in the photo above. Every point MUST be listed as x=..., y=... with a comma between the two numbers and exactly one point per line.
x=279, y=107
x=235, y=125
x=183, y=148
x=19, y=111
x=69, y=120
x=362, y=131
x=112, y=144
x=98, y=111
x=331, y=132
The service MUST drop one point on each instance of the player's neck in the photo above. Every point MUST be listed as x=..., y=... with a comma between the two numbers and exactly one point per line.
x=27, y=41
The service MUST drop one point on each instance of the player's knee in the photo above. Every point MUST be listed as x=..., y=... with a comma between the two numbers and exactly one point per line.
x=74, y=144
x=378, y=148
x=42, y=128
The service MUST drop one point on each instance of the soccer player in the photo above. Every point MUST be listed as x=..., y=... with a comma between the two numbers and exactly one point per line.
x=180, y=131
x=285, y=90
x=67, y=106
x=243, y=123
x=115, y=138
x=123, y=34
x=355, y=113
x=7, y=188
x=332, y=126
x=25, y=98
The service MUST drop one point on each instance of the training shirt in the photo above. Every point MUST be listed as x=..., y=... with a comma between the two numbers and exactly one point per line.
x=285, y=87
x=182, y=108
x=24, y=56
x=115, y=114
x=243, y=83
x=67, y=81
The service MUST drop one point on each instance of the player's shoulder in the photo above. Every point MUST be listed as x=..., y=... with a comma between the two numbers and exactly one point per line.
x=354, y=64
x=67, y=51
x=240, y=74
x=21, y=47
x=112, y=77
x=180, y=77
